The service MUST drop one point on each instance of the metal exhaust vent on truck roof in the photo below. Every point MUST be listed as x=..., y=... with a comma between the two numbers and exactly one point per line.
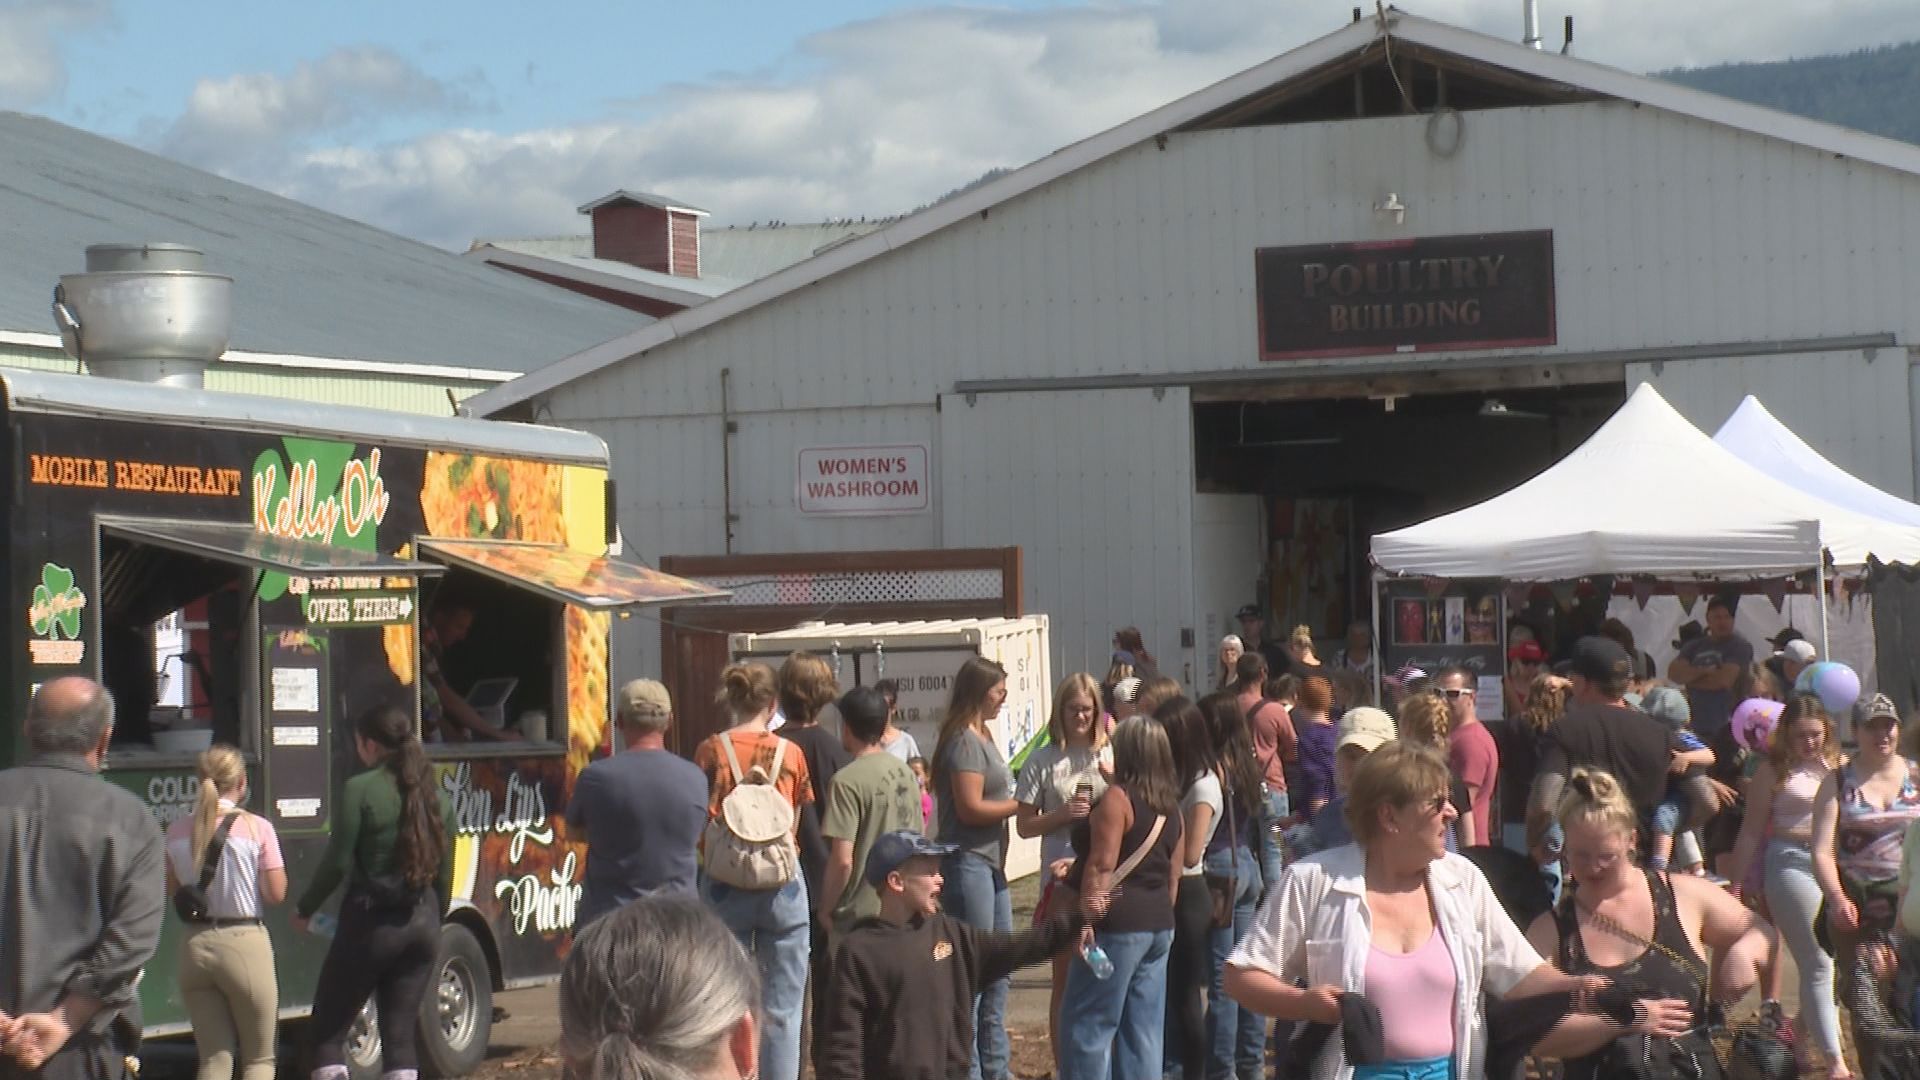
x=145, y=313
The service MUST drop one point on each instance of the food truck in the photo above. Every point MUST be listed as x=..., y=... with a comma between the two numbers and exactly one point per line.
x=305, y=549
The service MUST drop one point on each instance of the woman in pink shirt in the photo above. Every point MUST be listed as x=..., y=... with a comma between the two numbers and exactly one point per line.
x=226, y=970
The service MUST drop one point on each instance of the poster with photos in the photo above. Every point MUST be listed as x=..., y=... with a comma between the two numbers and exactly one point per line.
x=1463, y=625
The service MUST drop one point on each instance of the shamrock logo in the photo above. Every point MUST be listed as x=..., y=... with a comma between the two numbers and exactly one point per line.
x=56, y=604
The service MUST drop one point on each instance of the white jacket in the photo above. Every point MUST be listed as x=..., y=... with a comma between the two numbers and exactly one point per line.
x=1316, y=927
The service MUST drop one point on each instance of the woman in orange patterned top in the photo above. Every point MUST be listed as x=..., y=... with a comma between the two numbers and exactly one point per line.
x=772, y=923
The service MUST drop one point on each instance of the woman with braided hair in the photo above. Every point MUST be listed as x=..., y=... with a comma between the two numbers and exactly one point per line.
x=391, y=845
x=659, y=990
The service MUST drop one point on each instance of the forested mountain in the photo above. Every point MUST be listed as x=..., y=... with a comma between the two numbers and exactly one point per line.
x=1876, y=90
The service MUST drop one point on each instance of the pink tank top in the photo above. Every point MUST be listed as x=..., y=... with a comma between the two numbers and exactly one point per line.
x=1793, y=802
x=1407, y=990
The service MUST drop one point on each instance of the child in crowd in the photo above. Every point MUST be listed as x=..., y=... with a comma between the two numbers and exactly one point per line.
x=904, y=980
x=919, y=767
x=1669, y=705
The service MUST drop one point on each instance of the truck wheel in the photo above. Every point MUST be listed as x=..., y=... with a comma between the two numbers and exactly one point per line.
x=456, y=1019
x=363, y=1045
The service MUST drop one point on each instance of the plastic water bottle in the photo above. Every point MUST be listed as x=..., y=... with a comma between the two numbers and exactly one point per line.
x=325, y=925
x=1097, y=961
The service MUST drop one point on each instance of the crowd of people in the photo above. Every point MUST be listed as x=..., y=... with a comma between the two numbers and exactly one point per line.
x=84, y=867
x=1281, y=875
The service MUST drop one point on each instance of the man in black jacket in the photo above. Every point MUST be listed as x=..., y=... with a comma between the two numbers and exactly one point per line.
x=901, y=1004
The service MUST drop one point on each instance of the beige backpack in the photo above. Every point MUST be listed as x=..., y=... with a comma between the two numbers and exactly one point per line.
x=749, y=843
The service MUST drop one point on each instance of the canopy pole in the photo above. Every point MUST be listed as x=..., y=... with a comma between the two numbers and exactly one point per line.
x=1820, y=596
x=1379, y=676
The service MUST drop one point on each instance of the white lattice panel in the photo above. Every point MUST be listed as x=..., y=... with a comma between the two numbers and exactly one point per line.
x=859, y=587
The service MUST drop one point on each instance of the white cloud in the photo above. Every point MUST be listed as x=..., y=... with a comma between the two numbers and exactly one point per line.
x=886, y=113
x=230, y=122
x=31, y=69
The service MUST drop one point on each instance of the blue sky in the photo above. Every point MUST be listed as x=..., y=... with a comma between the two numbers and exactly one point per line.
x=448, y=122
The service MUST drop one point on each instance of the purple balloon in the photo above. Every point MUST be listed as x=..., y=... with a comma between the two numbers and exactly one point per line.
x=1835, y=684
x=1753, y=721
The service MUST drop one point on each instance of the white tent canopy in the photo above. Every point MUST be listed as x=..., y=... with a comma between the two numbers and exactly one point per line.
x=1649, y=493
x=1756, y=437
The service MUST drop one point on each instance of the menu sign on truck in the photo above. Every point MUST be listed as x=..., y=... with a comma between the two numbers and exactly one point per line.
x=1493, y=290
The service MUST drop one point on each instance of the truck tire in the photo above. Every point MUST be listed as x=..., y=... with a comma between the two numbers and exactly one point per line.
x=456, y=1017
x=363, y=1045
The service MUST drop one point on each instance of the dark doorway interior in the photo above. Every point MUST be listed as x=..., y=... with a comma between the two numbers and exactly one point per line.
x=1336, y=472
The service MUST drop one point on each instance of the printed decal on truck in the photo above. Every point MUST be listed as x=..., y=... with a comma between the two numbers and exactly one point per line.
x=526, y=844
x=54, y=617
x=318, y=490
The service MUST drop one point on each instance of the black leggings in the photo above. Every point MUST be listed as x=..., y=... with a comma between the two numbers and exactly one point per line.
x=386, y=954
x=1188, y=977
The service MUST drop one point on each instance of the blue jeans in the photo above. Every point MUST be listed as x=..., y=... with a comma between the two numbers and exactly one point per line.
x=1236, y=1036
x=1113, y=1027
x=1267, y=839
x=773, y=925
x=975, y=892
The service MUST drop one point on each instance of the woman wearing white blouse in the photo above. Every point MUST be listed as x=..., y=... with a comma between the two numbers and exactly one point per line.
x=226, y=968
x=1395, y=918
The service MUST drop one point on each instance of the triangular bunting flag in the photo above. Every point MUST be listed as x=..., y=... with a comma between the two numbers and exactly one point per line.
x=1688, y=593
x=1776, y=593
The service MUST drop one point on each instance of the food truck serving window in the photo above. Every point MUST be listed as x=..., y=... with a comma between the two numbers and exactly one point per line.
x=495, y=659
x=230, y=589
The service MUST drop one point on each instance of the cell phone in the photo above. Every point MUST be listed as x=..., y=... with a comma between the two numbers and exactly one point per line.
x=1084, y=790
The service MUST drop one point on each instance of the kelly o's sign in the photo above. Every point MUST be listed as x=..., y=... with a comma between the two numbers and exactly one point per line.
x=864, y=480
x=1493, y=290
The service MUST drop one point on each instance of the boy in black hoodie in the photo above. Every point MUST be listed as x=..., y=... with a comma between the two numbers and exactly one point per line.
x=903, y=982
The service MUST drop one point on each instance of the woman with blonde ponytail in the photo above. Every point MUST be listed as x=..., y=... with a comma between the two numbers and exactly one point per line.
x=659, y=990
x=226, y=970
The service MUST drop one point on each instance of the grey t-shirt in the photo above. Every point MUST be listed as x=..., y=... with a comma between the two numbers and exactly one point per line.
x=643, y=811
x=1712, y=709
x=969, y=753
x=904, y=746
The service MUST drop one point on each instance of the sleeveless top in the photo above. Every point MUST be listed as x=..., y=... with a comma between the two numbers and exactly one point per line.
x=1868, y=842
x=1692, y=1054
x=1793, y=802
x=1143, y=903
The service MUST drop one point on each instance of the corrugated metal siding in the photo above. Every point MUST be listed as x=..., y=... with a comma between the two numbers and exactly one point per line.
x=1041, y=470
x=1668, y=231
x=1851, y=406
x=370, y=391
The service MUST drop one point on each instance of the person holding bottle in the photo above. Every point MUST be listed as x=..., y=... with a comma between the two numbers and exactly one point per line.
x=1114, y=1010
x=392, y=847
x=226, y=971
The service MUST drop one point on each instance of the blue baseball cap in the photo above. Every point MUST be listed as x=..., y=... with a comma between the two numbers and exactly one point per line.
x=895, y=848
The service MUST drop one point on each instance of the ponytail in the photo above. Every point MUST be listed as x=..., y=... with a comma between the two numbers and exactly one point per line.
x=422, y=841
x=206, y=818
x=221, y=768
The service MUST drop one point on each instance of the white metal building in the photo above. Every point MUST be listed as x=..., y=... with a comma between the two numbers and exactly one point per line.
x=1078, y=346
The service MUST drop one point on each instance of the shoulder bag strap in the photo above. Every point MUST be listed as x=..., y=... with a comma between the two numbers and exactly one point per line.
x=214, y=846
x=1607, y=925
x=733, y=762
x=779, y=755
x=1139, y=853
